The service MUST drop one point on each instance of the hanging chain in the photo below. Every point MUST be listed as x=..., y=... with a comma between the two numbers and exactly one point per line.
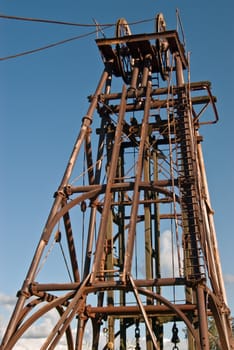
x=137, y=336
x=175, y=338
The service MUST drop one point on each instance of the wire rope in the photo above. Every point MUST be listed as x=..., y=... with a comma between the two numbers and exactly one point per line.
x=180, y=25
x=48, y=21
x=87, y=170
x=65, y=260
x=39, y=20
x=24, y=53
x=55, y=240
x=46, y=255
x=51, y=21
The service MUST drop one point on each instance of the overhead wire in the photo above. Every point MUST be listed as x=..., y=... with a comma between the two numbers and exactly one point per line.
x=50, y=21
x=61, y=42
x=47, y=46
x=24, y=53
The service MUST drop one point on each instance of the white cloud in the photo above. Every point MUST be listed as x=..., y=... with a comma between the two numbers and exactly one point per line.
x=34, y=337
x=37, y=333
x=28, y=345
x=167, y=247
x=182, y=345
x=228, y=278
x=40, y=330
x=7, y=300
x=7, y=303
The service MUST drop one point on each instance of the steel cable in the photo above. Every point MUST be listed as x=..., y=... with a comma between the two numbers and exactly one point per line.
x=39, y=20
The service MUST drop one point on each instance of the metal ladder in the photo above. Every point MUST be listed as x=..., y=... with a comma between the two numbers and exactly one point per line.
x=191, y=213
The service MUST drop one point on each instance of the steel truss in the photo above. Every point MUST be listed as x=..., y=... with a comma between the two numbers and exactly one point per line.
x=146, y=183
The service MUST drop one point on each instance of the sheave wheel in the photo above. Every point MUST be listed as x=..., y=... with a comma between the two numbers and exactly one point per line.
x=123, y=55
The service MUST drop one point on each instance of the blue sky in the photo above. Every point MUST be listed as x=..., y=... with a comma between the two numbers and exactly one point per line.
x=43, y=97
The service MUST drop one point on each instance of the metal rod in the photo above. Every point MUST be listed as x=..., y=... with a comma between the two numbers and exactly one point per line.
x=136, y=192
x=126, y=311
x=89, y=158
x=107, y=201
x=80, y=333
x=152, y=335
x=172, y=89
x=157, y=104
x=202, y=317
x=71, y=247
x=92, y=218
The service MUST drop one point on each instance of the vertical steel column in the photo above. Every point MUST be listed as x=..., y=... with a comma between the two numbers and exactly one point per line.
x=136, y=191
x=92, y=218
x=135, y=76
x=110, y=267
x=147, y=217
x=148, y=236
x=202, y=317
x=179, y=71
x=157, y=266
x=121, y=247
x=98, y=167
x=189, y=293
x=80, y=334
x=217, y=276
x=108, y=197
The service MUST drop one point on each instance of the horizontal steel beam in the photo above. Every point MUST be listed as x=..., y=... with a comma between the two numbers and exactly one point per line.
x=108, y=285
x=160, y=104
x=171, y=36
x=132, y=93
x=126, y=311
x=120, y=186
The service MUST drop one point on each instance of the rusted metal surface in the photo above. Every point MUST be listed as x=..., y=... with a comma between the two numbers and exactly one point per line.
x=132, y=180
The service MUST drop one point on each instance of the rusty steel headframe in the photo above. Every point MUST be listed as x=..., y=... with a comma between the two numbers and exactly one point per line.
x=140, y=245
